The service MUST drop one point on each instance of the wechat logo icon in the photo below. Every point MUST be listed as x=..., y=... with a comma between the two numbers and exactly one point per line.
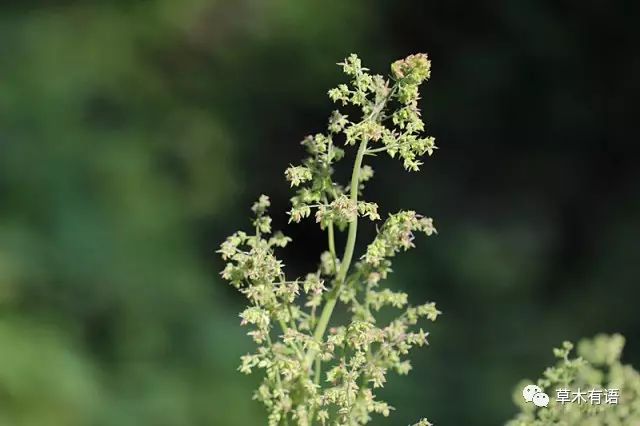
x=533, y=393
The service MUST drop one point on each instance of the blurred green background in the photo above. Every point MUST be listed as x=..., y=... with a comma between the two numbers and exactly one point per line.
x=135, y=134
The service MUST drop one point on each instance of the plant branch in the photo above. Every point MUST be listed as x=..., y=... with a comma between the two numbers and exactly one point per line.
x=332, y=246
x=323, y=321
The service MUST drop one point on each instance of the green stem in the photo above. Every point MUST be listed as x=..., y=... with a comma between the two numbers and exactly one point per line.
x=332, y=246
x=318, y=372
x=348, y=254
x=316, y=381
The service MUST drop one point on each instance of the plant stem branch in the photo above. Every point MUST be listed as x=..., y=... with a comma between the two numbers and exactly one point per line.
x=332, y=246
x=348, y=255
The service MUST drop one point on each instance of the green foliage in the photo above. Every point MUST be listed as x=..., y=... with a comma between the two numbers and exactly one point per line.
x=597, y=366
x=310, y=377
x=60, y=391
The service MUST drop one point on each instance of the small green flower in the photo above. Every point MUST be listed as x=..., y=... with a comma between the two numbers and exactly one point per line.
x=298, y=174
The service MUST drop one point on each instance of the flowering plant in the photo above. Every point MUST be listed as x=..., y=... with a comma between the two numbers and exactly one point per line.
x=312, y=376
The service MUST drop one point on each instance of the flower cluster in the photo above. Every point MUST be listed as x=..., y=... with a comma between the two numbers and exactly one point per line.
x=396, y=235
x=597, y=366
x=317, y=372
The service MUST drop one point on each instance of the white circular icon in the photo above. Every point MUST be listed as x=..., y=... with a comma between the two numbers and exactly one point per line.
x=541, y=399
x=529, y=391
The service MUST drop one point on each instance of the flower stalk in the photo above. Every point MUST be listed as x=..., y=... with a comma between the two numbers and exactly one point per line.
x=348, y=254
